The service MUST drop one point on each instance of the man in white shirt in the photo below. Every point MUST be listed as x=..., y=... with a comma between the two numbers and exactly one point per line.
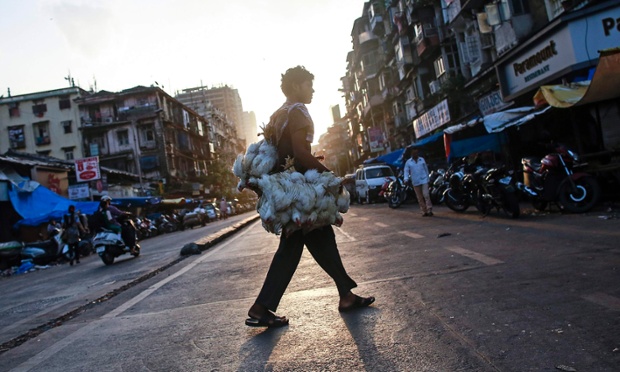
x=416, y=172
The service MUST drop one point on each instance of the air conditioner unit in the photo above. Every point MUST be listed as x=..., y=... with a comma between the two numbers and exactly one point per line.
x=434, y=86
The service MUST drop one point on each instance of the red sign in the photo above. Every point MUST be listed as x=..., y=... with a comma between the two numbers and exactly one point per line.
x=87, y=169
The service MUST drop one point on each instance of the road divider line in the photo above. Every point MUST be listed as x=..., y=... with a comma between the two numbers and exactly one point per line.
x=474, y=255
x=603, y=299
x=411, y=234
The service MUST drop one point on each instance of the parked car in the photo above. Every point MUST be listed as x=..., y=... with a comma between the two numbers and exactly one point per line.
x=212, y=211
x=231, y=209
x=369, y=179
x=348, y=182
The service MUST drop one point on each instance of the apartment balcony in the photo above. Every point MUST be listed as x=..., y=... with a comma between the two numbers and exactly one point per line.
x=376, y=25
x=367, y=41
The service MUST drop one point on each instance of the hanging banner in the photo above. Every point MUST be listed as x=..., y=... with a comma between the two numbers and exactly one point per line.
x=87, y=169
x=376, y=139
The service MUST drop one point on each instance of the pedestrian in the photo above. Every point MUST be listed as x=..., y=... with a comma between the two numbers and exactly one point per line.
x=293, y=134
x=52, y=228
x=223, y=208
x=73, y=228
x=416, y=172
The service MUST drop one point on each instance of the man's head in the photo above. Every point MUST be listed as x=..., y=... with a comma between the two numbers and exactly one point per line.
x=106, y=198
x=415, y=153
x=297, y=84
x=71, y=208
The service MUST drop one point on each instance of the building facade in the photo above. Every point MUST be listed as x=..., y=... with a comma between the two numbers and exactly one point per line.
x=423, y=67
x=45, y=123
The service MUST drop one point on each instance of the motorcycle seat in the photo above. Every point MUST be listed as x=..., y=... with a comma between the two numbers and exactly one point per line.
x=531, y=162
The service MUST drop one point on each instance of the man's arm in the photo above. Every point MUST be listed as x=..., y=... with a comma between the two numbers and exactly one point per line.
x=302, y=155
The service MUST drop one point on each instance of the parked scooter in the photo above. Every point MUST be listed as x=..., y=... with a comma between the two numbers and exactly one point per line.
x=46, y=251
x=553, y=180
x=110, y=245
x=463, y=185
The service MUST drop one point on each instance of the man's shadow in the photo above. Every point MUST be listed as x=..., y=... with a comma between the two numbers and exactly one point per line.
x=361, y=324
x=255, y=352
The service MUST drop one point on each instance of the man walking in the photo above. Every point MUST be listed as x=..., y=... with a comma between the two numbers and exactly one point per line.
x=292, y=135
x=416, y=172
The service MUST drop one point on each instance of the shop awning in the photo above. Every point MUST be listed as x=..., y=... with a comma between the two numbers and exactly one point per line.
x=605, y=84
x=499, y=121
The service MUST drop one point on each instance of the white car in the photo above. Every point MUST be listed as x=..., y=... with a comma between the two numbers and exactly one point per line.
x=369, y=179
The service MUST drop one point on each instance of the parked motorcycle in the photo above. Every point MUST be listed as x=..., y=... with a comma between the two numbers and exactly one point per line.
x=46, y=251
x=397, y=191
x=553, y=180
x=496, y=189
x=110, y=245
x=438, y=184
x=463, y=185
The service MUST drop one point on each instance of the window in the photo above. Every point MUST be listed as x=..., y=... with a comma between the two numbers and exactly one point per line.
x=68, y=152
x=440, y=69
x=122, y=136
x=97, y=146
x=519, y=7
x=39, y=108
x=66, y=125
x=64, y=103
x=16, y=137
x=41, y=133
x=14, y=110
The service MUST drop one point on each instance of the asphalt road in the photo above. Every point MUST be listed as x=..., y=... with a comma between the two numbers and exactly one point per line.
x=455, y=292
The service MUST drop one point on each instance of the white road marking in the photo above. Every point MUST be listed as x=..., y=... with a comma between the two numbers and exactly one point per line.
x=603, y=299
x=349, y=237
x=411, y=234
x=89, y=328
x=381, y=224
x=474, y=255
x=363, y=218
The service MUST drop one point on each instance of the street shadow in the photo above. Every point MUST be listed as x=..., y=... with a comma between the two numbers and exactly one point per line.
x=255, y=352
x=360, y=324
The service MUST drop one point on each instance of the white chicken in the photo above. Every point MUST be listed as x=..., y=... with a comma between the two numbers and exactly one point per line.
x=290, y=200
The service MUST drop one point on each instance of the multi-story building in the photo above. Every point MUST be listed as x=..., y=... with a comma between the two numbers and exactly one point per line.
x=45, y=123
x=337, y=157
x=224, y=99
x=419, y=68
x=250, y=130
x=146, y=131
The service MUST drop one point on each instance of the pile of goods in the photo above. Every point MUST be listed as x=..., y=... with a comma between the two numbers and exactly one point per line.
x=290, y=200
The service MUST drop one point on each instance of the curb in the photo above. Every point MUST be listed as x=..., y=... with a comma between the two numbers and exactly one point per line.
x=204, y=244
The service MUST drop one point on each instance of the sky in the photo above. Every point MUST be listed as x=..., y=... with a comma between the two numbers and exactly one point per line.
x=178, y=44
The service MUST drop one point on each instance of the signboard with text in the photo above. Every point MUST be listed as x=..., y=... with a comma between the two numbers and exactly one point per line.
x=87, y=169
x=432, y=119
x=80, y=191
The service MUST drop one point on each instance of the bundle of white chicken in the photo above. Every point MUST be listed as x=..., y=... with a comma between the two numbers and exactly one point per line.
x=290, y=200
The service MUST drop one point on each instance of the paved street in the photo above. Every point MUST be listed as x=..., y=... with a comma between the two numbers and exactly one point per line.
x=455, y=292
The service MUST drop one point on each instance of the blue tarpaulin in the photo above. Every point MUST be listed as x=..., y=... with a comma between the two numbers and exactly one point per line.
x=40, y=205
x=490, y=142
x=394, y=158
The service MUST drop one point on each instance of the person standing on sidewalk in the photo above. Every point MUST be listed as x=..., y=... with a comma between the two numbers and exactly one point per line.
x=416, y=172
x=223, y=208
x=73, y=228
x=293, y=133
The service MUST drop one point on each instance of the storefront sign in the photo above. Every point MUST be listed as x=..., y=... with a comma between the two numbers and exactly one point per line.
x=79, y=191
x=432, y=119
x=569, y=47
x=492, y=103
x=87, y=169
